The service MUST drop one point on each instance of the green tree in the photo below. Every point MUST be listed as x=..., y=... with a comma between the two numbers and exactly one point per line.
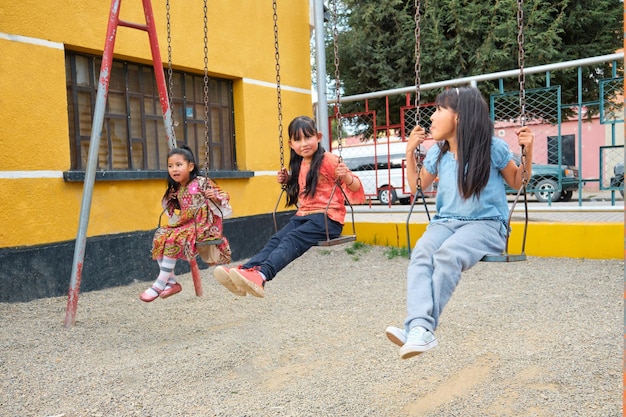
x=460, y=38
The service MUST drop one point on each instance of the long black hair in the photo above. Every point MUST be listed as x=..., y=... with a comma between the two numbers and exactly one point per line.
x=474, y=134
x=302, y=127
x=187, y=153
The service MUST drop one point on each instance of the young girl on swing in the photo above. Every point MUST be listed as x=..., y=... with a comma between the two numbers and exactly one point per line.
x=314, y=173
x=195, y=206
x=471, y=204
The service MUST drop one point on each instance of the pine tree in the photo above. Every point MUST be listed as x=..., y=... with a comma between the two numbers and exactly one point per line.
x=461, y=38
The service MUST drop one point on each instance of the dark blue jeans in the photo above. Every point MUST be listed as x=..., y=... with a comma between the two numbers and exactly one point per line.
x=292, y=241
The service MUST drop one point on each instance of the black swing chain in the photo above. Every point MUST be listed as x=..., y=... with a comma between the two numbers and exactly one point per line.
x=170, y=73
x=278, y=90
x=338, y=115
x=418, y=64
x=418, y=155
x=206, y=93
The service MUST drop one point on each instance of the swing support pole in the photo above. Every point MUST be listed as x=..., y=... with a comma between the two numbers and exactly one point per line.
x=96, y=133
x=320, y=60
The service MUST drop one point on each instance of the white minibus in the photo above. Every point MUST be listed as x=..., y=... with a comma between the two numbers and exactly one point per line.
x=381, y=168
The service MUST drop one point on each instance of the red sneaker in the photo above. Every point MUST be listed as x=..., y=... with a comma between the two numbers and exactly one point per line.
x=250, y=279
x=171, y=290
x=221, y=274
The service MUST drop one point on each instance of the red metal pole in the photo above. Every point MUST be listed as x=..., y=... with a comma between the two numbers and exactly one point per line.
x=160, y=75
x=195, y=275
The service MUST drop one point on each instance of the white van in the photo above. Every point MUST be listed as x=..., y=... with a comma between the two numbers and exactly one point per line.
x=381, y=168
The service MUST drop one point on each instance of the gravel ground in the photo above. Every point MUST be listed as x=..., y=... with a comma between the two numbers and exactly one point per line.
x=536, y=338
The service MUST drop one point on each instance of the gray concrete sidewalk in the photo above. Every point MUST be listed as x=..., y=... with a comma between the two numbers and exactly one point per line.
x=595, y=207
x=396, y=214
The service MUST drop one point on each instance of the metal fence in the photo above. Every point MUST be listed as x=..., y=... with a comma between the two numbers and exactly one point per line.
x=572, y=156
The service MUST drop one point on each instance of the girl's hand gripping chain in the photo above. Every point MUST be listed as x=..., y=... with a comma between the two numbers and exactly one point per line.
x=343, y=173
x=282, y=176
x=416, y=138
x=210, y=193
x=525, y=137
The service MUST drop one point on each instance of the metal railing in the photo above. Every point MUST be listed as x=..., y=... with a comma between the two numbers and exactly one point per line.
x=572, y=170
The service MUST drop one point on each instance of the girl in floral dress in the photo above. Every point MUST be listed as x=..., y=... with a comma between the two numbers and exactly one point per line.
x=195, y=207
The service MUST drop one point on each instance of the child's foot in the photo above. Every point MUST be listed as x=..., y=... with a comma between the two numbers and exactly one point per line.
x=222, y=276
x=250, y=279
x=151, y=294
x=418, y=340
x=396, y=335
x=171, y=289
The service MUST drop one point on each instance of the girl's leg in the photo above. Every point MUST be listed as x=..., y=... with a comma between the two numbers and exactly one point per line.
x=271, y=244
x=419, y=296
x=172, y=287
x=166, y=269
x=305, y=232
x=291, y=242
x=468, y=244
x=446, y=249
x=172, y=278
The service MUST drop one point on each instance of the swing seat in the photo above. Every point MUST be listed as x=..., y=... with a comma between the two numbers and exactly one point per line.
x=337, y=241
x=328, y=242
x=504, y=257
x=208, y=250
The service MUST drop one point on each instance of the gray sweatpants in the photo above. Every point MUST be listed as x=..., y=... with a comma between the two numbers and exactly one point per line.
x=447, y=248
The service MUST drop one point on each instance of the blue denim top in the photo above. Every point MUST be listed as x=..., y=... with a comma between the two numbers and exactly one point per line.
x=492, y=204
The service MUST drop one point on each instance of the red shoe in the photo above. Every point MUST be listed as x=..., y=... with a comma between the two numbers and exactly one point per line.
x=171, y=290
x=250, y=279
x=222, y=276
x=147, y=296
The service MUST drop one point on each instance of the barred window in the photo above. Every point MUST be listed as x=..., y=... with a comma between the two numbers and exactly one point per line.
x=133, y=134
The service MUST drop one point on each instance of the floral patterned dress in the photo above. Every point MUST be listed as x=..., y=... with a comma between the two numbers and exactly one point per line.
x=198, y=219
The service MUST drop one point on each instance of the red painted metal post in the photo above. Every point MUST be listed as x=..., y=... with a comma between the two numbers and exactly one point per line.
x=160, y=75
x=195, y=274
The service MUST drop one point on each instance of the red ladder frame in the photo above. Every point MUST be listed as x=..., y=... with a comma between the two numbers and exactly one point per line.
x=98, y=120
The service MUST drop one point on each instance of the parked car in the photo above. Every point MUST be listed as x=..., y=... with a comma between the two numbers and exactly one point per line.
x=617, y=180
x=544, y=181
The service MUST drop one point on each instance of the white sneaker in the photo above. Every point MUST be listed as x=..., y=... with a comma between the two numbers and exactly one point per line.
x=419, y=340
x=396, y=335
x=222, y=276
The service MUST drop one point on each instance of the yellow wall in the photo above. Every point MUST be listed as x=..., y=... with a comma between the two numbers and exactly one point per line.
x=39, y=207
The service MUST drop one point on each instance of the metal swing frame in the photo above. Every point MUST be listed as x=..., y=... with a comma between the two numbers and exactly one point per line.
x=505, y=256
x=114, y=22
x=343, y=238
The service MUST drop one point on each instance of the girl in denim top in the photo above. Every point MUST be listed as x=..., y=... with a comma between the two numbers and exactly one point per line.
x=472, y=209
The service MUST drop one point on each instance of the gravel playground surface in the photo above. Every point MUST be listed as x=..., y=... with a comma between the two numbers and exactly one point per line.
x=537, y=338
